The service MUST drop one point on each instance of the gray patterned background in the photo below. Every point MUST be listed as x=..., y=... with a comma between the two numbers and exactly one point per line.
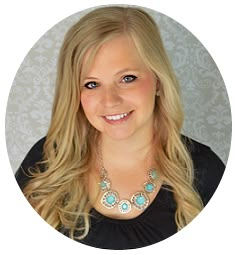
x=205, y=99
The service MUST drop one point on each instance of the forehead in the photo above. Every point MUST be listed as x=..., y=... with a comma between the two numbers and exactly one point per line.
x=117, y=53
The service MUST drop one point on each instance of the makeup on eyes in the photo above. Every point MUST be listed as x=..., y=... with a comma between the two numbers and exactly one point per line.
x=124, y=79
x=91, y=85
x=129, y=78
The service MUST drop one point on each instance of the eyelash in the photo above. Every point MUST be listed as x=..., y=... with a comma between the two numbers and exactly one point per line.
x=133, y=77
x=93, y=84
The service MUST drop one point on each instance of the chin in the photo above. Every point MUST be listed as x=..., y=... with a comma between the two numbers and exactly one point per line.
x=119, y=136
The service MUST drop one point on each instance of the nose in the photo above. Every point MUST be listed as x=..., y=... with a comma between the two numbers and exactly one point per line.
x=111, y=97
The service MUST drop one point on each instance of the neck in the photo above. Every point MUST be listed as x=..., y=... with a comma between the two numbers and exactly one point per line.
x=128, y=153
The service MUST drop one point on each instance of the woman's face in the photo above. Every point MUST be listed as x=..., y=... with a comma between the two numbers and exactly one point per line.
x=118, y=91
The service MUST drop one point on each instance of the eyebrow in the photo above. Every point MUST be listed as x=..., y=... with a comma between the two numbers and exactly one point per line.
x=126, y=70
x=117, y=73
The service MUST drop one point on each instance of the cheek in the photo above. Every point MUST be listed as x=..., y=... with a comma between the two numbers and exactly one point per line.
x=146, y=91
x=87, y=103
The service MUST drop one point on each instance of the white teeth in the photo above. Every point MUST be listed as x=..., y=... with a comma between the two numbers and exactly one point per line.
x=117, y=117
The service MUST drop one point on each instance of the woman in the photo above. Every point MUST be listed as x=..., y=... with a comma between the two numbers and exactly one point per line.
x=114, y=170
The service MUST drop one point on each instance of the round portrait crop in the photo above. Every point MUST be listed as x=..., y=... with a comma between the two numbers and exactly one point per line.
x=118, y=127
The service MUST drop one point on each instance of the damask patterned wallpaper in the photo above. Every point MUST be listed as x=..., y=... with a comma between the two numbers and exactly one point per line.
x=206, y=104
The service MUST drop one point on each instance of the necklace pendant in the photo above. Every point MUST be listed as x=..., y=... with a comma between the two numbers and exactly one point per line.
x=124, y=206
x=140, y=200
x=153, y=175
x=149, y=186
x=105, y=184
x=110, y=199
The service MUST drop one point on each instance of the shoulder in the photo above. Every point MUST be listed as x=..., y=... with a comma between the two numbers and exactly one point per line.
x=208, y=168
x=34, y=156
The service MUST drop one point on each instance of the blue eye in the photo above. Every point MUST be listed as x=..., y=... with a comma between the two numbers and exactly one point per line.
x=129, y=78
x=91, y=85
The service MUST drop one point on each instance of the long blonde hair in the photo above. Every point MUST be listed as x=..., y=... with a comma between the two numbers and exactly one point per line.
x=59, y=193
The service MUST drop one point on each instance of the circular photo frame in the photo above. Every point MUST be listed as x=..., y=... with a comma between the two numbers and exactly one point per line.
x=206, y=130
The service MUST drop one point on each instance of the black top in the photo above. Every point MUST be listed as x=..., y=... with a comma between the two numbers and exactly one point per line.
x=157, y=222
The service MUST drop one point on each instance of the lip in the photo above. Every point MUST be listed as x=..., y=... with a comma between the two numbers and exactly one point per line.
x=121, y=117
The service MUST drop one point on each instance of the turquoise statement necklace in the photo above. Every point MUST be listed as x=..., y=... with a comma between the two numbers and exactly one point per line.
x=139, y=200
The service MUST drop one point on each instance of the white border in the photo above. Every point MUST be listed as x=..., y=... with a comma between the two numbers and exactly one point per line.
x=22, y=23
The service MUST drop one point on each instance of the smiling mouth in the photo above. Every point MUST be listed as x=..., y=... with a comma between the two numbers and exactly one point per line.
x=118, y=116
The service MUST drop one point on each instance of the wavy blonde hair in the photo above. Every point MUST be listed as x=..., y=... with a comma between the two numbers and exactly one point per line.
x=59, y=193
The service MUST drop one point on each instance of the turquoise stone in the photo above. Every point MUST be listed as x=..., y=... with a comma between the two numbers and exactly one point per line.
x=149, y=187
x=140, y=200
x=154, y=174
x=125, y=206
x=103, y=185
x=110, y=199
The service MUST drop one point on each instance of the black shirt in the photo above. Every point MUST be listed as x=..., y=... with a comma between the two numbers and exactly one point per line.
x=157, y=222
